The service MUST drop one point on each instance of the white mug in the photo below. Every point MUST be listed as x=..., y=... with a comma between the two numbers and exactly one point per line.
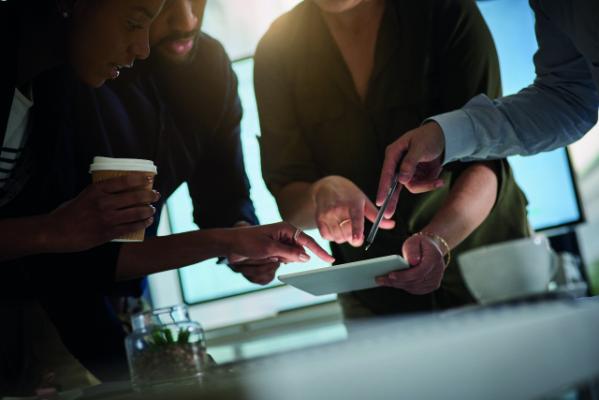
x=509, y=270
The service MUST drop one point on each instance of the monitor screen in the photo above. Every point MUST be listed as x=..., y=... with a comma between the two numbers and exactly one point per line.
x=547, y=181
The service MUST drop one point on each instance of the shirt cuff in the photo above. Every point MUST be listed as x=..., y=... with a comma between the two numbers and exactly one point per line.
x=459, y=136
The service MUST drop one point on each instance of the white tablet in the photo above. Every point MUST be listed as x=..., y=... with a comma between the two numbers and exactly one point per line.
x=344, y=277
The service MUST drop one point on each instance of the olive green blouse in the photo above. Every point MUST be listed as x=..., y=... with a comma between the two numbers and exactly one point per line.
x=431, y=56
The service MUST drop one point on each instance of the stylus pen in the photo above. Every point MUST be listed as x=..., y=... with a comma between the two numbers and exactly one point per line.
x=379, y=216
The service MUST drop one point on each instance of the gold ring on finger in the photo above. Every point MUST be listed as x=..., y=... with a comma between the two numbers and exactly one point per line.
x=345, y=221
x=298, y=231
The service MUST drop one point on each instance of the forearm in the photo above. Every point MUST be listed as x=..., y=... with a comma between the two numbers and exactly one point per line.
x=26, y=236
x=532, y=121
x=557, y=109
x=169, y=252
x=469, y=202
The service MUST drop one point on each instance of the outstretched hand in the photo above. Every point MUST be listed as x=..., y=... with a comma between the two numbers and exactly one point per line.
x=274, y=243
x=341, y=208
x=260, y=271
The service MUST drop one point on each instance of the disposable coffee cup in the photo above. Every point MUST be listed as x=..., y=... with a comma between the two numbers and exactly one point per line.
x=103, y=168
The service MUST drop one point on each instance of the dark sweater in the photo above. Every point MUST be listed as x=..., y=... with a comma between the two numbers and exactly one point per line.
x=187, y=119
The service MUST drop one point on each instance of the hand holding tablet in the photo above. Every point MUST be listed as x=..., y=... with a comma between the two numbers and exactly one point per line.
x=345, y=277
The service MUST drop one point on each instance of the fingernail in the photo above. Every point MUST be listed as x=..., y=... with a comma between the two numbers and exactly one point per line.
x=439, y=184
x=150, y=221
x=304, y=257
x=156, y=195
x=150, y=179
x=153, y=209
x=273, y=259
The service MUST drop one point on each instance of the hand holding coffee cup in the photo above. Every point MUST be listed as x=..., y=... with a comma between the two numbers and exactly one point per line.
x=142, y=171
x=101, y=212
x=509, y=270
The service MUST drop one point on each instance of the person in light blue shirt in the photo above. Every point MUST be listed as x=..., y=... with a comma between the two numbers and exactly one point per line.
x=556, y=110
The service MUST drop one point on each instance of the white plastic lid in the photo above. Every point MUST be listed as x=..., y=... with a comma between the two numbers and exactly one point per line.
x=122, y=164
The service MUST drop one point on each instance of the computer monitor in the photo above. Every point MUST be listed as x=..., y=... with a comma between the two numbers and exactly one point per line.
x=548, y=181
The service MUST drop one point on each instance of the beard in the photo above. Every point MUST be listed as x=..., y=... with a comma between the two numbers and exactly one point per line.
x=166, y=56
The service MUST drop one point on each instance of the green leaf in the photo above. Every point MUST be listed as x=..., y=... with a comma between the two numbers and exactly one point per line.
x=158, y=338
x=183, y=336
x=169, y=336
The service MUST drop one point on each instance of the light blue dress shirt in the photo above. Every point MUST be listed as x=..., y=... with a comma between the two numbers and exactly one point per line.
x=557, y=109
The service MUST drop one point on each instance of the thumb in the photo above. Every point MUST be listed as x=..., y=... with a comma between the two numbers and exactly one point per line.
x=393, y=155
x=412, y=251
x=423, y=186
x=392, y=205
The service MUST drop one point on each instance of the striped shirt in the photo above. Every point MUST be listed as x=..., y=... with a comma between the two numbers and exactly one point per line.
x=15, y=135
x=12, y=150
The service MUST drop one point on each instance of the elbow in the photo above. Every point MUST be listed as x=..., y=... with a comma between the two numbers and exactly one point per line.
x=286, y=198
x=589, y=120
x=571, y=108
x=287, y=210
x=287, y=215
x=586, y=121
x=481, y=183
x=585, y=112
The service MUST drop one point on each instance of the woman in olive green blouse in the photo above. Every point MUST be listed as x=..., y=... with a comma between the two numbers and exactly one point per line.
x=336, y=82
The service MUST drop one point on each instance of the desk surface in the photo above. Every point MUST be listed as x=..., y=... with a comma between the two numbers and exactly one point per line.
x=515, y=351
